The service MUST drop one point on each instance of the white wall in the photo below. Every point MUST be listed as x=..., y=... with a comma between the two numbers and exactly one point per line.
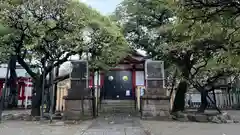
x=20, y=72
x=140, y=79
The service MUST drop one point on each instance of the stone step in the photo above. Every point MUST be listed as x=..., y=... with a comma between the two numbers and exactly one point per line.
x=114, y=110
x=117, y=113
x=121, y=106
x=117, y=108
x=118, y=103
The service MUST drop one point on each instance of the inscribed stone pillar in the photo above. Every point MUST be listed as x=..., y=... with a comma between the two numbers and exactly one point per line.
x=155, y=104
x=79, y=101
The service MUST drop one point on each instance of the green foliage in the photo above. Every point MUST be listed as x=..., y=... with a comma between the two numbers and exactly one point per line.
x=141, y=21
x=209, y=38
x=210, y=20
x=51, y=31
x=5, y=50
x=105, y=42
x=4, y=30
x=181, y=35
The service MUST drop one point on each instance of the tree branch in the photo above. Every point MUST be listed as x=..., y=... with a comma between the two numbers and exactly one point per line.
x=59, y=62
x=57, y=80
x=198, y=68
x=26, y=67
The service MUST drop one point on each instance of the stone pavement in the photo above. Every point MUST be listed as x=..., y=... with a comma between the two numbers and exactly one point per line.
x=117, y=124
x=181, y=128
x=35, y=128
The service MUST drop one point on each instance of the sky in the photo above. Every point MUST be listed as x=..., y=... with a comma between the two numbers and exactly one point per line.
x=104, y=6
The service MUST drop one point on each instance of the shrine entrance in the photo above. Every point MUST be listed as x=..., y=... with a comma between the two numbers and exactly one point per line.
x=118, y=85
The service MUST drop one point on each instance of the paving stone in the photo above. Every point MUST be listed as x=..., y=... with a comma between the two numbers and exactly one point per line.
x=114, y=133
x=135, y=131
x=93, y=133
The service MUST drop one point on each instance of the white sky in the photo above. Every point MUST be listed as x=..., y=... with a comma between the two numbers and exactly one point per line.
x=103, y=6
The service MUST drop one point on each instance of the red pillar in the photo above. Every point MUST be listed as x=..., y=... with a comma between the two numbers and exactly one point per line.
x=1, y=87
x=101, y=79
x=21, y=90
x=134, y=80
x=91, y=79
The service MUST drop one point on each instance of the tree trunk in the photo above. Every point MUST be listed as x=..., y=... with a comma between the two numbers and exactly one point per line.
x=204, y=102
x=173, y=82
x=49, y=92
x=48, y=96
x=55, y=89
x=36, y=98
x=179, y=101
x=13, y=101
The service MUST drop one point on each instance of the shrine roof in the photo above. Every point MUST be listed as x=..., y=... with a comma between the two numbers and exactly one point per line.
x=134, y=58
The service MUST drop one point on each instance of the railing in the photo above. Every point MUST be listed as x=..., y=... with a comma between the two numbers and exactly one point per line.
x=224, y=100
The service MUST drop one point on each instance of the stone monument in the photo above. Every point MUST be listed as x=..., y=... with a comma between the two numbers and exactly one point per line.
x=155, y=104
x=79, y=100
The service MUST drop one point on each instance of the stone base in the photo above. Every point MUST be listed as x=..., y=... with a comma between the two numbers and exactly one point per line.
x=203, y=117
x=78, y=109
x=155, y=108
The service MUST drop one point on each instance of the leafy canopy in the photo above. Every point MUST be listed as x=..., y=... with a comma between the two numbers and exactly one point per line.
x=49, y=32
x=171, y=31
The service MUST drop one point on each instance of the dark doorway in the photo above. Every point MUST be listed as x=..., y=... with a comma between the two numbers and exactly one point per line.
x=118, y=85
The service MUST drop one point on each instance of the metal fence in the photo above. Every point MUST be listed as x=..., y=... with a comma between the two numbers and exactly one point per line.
x=224, y=100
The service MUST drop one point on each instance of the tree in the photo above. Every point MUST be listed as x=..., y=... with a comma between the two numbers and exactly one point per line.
x=146, y=25
x=50, y=32
x=5, y=54
x=161, y=28
x=215, y=28
x=140, y=20
x=223, y=13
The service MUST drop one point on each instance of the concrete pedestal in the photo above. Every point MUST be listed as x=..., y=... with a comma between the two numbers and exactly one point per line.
x=77, y=109
x=156, y=108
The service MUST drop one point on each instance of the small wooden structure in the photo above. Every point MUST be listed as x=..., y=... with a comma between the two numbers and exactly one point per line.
x=62, y=89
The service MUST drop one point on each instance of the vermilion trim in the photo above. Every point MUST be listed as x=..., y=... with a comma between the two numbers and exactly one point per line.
x=23, y=92
x=102, y=79
x=91, y=79
x=134, y=81
x=121, y=69
x=1, y=87
x=145, y=83
x=23, y=98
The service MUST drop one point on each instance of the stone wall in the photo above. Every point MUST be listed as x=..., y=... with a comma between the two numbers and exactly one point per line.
x=155, y=108
x=78, y=109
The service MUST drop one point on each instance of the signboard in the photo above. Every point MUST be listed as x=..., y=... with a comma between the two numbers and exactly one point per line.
x=154, y=70
x=127, y=92
x=155, y=77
